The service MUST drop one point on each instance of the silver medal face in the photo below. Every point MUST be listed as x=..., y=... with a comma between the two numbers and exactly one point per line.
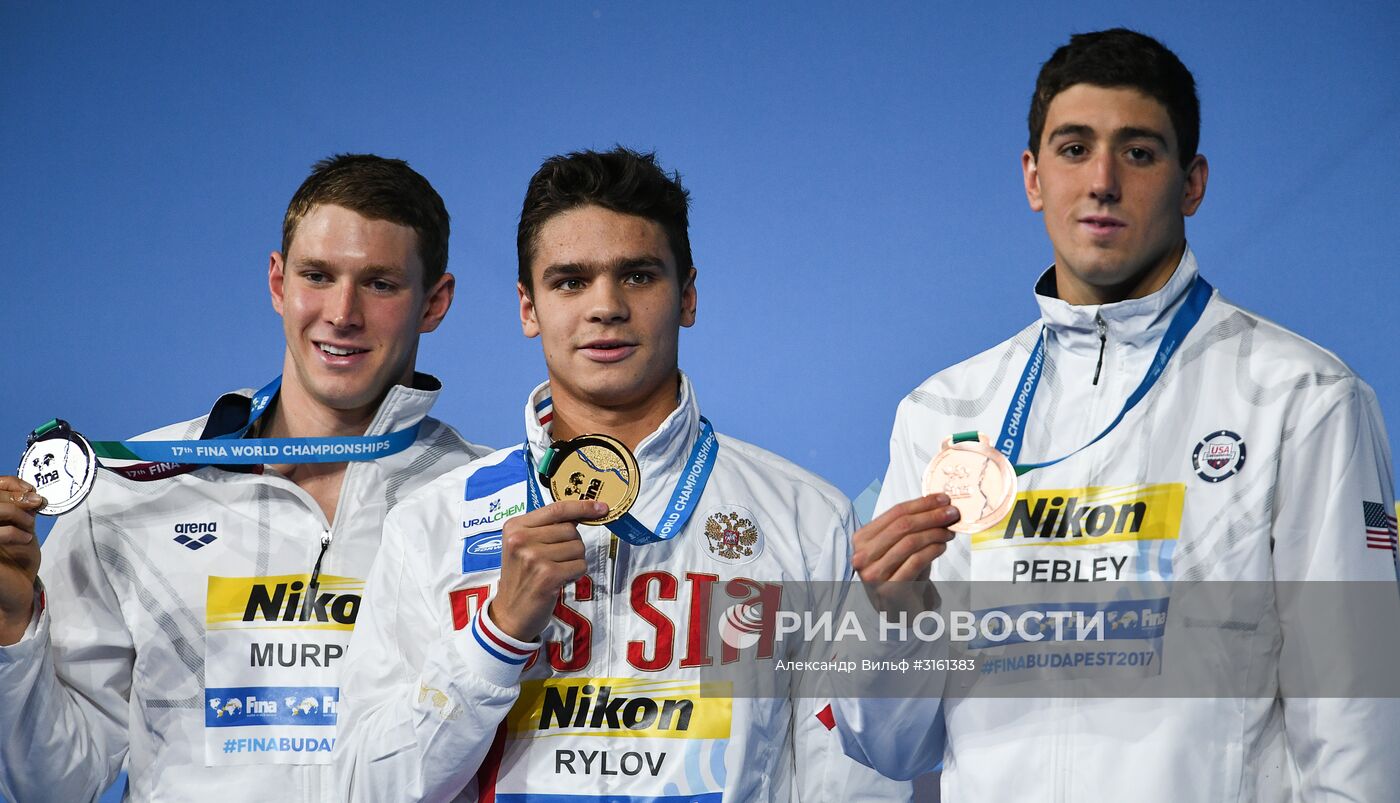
x=61, y=469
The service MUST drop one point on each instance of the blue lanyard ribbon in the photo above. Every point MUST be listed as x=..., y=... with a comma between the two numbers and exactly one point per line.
x=1013, y=428
x=683, y=498
x=233, y=449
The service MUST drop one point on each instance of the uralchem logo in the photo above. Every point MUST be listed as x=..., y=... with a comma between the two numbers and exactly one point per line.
x=495, y=512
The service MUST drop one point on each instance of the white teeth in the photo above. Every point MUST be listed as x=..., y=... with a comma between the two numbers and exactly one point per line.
x=339, y=352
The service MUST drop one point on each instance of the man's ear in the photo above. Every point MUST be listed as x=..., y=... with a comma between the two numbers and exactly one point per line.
x=1032, y=178
x=688, y=300
x=438, y=301
x=276, y=278
x=528, y=324
x=1197, y=173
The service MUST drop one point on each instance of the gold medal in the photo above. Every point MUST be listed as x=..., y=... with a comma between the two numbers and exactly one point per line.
x=977, y=478
x=594, y=468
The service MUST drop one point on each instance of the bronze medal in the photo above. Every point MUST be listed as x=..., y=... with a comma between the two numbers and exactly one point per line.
x=977, y=478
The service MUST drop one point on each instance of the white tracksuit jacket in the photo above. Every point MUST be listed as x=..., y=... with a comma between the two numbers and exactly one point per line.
x=1289, y=504
x=165, y=641
x=437, y=710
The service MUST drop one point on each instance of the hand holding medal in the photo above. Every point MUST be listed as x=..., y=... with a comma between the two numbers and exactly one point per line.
x=594, y=480
x=541, y=553
x=59, y=464
x=19, y=556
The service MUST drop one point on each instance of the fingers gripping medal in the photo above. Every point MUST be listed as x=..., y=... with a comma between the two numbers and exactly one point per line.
x=979, y=480
x=593, y=468
x=59, y=463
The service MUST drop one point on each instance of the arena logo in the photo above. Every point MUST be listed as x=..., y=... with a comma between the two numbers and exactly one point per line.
x=196, y=535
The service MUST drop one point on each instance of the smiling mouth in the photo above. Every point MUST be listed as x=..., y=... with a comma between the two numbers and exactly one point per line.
x=338, y=351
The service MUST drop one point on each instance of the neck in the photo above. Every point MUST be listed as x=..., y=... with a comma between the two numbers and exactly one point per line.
x=630, y=423
x=297, y=415
x=1078, y=293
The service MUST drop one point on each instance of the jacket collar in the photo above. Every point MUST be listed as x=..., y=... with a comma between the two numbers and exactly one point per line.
x=402, y=407
x=658, y=452
x=1136, y=321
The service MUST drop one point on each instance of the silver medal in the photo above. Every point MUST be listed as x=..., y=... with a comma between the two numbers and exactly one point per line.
x=61, y=467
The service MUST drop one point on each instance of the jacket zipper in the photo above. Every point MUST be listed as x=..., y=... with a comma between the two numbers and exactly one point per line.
x=1103, y=342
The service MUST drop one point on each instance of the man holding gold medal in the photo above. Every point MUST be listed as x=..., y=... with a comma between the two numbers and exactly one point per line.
x=196, y=605
x=1145, y=433
x=539, y=623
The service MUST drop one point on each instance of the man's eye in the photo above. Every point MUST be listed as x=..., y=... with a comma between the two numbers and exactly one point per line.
x=570, y=284
x=382, y=285
x=1142, y=155
x=639, y=277
x=1074, y=150
x=315, y=277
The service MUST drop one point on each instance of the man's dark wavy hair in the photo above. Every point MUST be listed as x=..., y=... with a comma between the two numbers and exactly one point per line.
x=1121, y=58
x=622, y=180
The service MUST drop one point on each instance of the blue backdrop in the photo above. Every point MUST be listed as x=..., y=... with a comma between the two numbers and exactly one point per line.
x=858, y=216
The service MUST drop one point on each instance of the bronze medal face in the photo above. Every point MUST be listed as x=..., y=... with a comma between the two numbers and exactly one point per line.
x=61, y=469
x=977, y=478
x=596, y=468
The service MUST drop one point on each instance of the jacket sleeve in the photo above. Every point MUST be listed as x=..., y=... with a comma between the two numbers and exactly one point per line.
x=422, y=709
x=899, y=737
x=1335, y=489
x=65, y=687
x=823, y=771
x=904, y=476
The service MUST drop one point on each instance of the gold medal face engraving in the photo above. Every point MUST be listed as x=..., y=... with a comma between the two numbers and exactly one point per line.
x=977, y=478
x=61, y=469
x=596, y=468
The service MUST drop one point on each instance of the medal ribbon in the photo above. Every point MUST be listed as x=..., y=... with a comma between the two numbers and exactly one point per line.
x=234, y=449
x=686, y=494
x=1013, y=428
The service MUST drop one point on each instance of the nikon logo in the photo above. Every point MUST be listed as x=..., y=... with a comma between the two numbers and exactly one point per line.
x=284, y=602
x=1066, y=517
x=590, y=707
